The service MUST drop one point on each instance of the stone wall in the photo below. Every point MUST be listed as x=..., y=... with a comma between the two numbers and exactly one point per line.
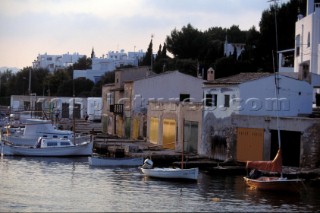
x=311, y=147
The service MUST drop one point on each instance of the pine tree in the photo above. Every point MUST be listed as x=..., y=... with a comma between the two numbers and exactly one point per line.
x=93, y=55
x=147, y=58
x=164, y=51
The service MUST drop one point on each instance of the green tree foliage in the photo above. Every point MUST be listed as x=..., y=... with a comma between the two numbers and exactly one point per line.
x=146, y=61
x=185, y=43
x=163, y=62
x=6, y=79
x=164, y=51
x=107, y=78
x=54, y=80
x=285, y=15
x=83, y=63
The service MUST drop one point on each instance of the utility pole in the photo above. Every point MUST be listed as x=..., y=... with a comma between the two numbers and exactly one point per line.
x=151, y=51
x=29, y=88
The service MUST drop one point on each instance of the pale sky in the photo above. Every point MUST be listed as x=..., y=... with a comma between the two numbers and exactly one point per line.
x=56, y=27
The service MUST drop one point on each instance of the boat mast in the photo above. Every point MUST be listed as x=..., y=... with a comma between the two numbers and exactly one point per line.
x=182, y=154
x=276, y=74
x=73, y=116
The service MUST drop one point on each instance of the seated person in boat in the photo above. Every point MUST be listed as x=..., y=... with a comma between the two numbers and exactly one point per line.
x=254, y=174
x=148, y=164
x=38, y=144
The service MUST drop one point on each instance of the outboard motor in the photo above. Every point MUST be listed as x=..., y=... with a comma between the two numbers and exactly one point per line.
x=148, y=164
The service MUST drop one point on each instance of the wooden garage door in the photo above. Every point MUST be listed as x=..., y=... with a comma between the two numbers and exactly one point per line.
x=119, y=127
x=190, y=136
x=249, y=144
x=154, y=128
x=169, y=133
x=135, y=129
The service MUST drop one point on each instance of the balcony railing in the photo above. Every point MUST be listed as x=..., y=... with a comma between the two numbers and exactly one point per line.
x=116, y=109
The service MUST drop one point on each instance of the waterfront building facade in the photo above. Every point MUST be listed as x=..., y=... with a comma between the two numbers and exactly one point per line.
x=242, y=114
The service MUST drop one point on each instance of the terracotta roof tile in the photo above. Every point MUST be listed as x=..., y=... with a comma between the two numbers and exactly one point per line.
x=240, y=78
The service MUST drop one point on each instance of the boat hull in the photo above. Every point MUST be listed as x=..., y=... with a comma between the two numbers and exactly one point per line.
x=84, y=149
x=171, y=173
x=105, y=161
x=274, y=184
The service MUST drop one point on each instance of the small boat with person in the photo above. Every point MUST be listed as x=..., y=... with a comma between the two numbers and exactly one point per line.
x=273, y=183
x=168, y=173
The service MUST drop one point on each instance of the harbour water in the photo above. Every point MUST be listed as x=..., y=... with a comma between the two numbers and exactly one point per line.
x=71, y=185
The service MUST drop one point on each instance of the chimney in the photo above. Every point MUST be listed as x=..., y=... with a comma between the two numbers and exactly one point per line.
x=210, y=74
x=310, y=7
x=300, y=16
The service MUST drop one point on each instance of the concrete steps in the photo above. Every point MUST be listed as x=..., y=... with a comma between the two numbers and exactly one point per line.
x=82, y=126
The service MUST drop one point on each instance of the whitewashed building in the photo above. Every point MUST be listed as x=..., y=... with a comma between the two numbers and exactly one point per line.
x=126, y=101
x=55, y=62
x=254, y=94
x=112, y=61
x=169, y=86
x=94, y=108
x=307, y=35
x=240, y=117
x=229, y=48
x=304, y=59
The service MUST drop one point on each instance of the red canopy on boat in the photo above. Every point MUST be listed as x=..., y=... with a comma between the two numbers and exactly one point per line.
x=271, y=166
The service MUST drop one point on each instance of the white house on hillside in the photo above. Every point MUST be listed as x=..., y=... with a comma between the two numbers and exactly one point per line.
x=102, y=65
x=55, y=62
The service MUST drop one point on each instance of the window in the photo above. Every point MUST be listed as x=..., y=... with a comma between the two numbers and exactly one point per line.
x=185, y=97
x=226, y=100
x=52, y=144
x=297, y=45
x=208, y=100
x=211, y=100
x=215, y=100
x=308, y=39
x=65, y=143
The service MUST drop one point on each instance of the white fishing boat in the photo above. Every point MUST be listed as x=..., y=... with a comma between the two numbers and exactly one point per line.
x=168, y=173
x=33, y=129
x=54, y=147
x=172, y=173
x=111, y=161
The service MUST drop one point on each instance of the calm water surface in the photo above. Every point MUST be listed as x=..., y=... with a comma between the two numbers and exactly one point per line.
x=71, y=185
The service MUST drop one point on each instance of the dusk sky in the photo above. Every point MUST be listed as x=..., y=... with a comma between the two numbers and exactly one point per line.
x=56, y=27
